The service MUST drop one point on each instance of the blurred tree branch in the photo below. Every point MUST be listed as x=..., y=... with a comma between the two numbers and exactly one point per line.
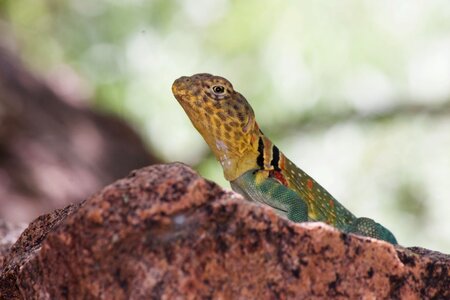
x=314, y=121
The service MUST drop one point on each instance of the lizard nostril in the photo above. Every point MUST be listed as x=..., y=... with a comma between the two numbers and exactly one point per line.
x=181, y=81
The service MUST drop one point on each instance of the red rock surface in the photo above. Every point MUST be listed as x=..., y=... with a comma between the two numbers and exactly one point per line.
x=164, y=232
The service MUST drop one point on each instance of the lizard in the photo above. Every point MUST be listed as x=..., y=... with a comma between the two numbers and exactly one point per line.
x=254, y=166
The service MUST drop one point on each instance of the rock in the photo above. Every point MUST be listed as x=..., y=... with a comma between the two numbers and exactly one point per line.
x=9, y=232
x=28, y=244
x=165, y=232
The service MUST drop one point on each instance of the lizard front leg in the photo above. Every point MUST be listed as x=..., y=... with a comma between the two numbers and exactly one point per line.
x=257, y=185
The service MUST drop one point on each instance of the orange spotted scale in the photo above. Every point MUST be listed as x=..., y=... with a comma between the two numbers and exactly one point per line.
x=255, y=167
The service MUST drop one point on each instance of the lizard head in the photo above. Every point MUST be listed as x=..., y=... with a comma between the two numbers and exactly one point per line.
x=222, y=116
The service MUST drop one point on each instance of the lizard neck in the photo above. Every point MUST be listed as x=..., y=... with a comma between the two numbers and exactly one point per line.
x=238, y=158
x=260, y=153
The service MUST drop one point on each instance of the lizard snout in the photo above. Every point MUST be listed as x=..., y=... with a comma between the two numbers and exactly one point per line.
x=180, y=85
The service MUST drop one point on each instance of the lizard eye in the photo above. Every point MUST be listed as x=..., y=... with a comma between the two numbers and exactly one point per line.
x=218, y=89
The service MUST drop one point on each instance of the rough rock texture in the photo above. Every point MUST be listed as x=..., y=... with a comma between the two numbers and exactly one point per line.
x=164, y=232
x=9, y=232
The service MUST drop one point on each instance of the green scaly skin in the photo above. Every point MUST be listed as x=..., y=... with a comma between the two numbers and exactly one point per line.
x=254, y=165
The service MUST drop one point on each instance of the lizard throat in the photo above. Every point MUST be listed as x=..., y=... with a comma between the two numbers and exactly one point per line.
x=234, y=160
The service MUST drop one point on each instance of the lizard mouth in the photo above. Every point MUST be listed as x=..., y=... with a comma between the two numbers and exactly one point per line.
x=180, y=84
x=181, y=92
x=177, y=88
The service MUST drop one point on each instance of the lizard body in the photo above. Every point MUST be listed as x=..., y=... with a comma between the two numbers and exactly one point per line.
x=255, y=167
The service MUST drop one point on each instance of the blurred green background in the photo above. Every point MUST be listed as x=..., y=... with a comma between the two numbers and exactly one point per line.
x=357, y=93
